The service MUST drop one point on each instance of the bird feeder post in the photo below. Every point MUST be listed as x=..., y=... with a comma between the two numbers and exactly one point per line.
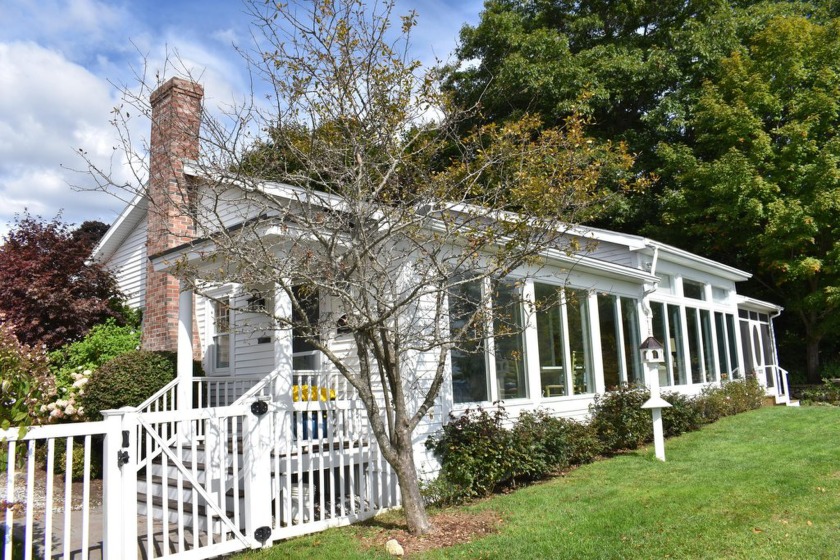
x=653, y=355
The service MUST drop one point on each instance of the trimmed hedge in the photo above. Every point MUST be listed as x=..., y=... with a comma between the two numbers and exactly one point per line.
x=483, y=451
x=127, y=380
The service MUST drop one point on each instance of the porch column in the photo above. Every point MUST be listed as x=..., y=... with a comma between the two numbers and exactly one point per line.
x=185, y=348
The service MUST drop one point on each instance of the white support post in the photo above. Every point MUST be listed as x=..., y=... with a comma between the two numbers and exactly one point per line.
x=185, y=348
x=119, y=485
x=658, y=436
x=281, y=385
x=257, y=469
x=185, y=356
x=656, y=403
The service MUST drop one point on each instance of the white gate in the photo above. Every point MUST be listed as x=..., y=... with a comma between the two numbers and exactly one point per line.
x=192, y=484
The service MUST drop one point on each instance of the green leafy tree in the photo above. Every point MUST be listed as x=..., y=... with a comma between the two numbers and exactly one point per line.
x=679, y=83
x=761, y=181
x=101, y=344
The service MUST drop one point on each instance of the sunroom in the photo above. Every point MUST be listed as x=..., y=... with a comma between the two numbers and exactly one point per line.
x=576, y=334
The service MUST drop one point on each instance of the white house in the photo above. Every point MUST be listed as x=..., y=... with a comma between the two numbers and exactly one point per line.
x=627, y=288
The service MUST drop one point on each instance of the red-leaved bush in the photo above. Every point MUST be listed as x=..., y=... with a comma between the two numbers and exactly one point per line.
x=48, y=290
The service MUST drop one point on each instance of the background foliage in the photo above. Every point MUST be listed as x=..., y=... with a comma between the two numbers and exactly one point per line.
x=731, y=105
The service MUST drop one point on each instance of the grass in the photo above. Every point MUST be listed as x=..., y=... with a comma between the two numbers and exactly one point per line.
x=765, y=484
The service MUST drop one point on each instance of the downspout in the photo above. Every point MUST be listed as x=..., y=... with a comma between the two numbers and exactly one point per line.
x=779, y=371
x=645, y=302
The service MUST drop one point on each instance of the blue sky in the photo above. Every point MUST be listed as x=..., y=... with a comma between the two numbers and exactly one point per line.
x=60, y=59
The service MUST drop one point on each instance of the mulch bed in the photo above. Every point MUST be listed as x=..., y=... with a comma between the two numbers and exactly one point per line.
x=448, y=528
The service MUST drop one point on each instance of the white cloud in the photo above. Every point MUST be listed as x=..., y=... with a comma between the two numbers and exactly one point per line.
x=58, y=59
x=50, y=107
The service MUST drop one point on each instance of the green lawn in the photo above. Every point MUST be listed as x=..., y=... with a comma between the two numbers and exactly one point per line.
x=764, y=484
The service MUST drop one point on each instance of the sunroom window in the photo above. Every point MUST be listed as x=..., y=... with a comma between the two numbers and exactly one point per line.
x=479, y=357
x=694, y=290
x=563, y=341
x=469, y=371
x=508, y=350
x=619, y=340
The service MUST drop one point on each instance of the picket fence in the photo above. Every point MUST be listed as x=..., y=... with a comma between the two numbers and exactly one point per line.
x=192, y=483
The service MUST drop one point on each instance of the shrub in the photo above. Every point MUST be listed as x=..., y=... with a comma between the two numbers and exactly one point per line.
x=103, y=343
x=478, y=454
x=474, y=450
x=582, y=442
x=827, y=393
x=730, y=398
x=127, y=380
x=25, y=381
x=539, y=445
x=619, y=420
x=683, y=416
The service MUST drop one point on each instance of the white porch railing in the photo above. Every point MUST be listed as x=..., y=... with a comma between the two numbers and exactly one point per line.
x=212, y=391
x=781, y=390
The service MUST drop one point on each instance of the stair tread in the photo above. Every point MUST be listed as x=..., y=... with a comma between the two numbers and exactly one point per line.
x=187, y=485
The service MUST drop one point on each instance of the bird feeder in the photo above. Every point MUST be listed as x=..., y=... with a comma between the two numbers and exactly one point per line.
x=652, y=351
x=652, y=355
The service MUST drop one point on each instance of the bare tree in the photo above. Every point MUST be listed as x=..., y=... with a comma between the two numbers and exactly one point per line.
x=377, y=203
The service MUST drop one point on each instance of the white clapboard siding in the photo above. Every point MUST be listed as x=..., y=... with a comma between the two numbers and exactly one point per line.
x=250, y=356
x=128, y=263
x=614, y=253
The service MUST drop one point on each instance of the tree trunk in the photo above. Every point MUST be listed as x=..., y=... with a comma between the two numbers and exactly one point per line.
x=812, y=358
x=412, y=500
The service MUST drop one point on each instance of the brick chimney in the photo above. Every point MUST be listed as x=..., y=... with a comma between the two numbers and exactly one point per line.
x=176, y=118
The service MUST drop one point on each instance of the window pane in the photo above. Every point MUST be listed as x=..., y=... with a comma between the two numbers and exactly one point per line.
x=508, y=348
x=659, y=333
x=746, y=345
x=221, y=328
x=694, y=290
x=693, y=344
x=222, y=342
x=469, y=376
x=708, y=348
x=550, y=341
x=723, y=360
x=737, y=370
x=577, y=313
x=676, y=344
x=630, y=328
x=221, y=315
x=609, y=341
x=309, y=315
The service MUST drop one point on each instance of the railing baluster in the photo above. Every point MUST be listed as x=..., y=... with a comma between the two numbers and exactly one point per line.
x=68, y=494
x=86, y=499
x=48, y=499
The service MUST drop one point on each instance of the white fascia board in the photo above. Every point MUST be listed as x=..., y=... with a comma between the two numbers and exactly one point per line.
x=675, y=254
x=600, y=267
x=125, y=223
x=757, y=304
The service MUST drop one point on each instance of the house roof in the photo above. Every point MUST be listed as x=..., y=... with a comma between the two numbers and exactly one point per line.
x=136, y=210
x=674, y=254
